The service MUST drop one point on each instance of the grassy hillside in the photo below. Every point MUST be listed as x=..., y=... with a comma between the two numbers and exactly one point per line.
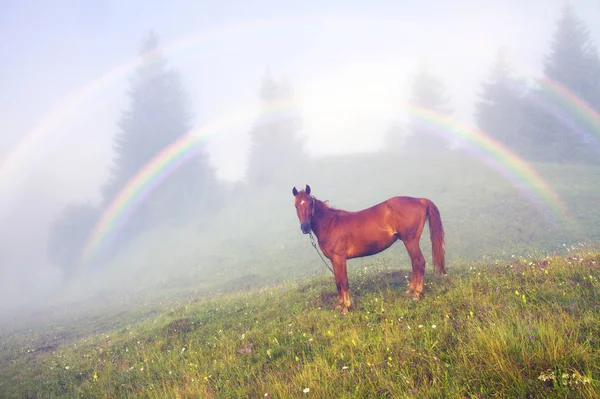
x=256, y=238
x=239, y=304
x=522, y=328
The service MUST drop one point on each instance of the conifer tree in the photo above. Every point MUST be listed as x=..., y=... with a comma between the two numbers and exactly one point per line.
x=573, y=58
x=498, y=110
x=427, y=91
x=275, y=144
x=68, y=234
x=555, y=133
x=159, y=113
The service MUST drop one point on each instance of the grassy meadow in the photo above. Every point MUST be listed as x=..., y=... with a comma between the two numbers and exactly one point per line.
x=243, y=306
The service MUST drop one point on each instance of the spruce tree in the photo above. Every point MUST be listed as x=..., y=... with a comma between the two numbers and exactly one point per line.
x=68, y=234
x=394, y=138
x=427, y=91
x=275, y=144
x=498, y=110
x=573, y=58
x=555, y=133
x=159, y=113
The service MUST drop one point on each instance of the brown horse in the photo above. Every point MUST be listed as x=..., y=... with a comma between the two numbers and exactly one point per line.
x=344, y=235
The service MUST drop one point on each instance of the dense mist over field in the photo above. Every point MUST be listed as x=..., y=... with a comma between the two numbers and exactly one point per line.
x=150, y=150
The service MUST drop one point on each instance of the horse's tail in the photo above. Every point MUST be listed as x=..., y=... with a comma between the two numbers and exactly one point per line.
x=436, y=231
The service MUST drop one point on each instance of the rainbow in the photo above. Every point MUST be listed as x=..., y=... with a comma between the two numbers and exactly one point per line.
x=34, y=138
x=179, y=152
x=52, y=121
x=491, y=151
x=138, y=189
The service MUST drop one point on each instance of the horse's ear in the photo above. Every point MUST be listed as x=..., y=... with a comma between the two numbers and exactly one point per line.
x=307, y=189
x=294, y=191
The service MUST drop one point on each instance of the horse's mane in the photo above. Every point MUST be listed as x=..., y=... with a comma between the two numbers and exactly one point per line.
x=325, y=204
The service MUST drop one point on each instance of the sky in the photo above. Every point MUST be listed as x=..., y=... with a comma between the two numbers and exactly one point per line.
x=65, y=66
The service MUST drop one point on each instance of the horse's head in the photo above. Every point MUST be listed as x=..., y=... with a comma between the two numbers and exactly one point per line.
x=305, y=208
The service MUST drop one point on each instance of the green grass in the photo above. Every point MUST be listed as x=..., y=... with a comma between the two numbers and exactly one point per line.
x=521, y=328
x=240, y=305
x=257, y=238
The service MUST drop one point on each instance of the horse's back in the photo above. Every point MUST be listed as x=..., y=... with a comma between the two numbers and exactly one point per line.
x=404, y=205
x=389, y=212
x=404, y=209
x=407, y=203
x=399, y=200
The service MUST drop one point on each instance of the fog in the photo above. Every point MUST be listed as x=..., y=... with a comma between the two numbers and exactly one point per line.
x=65, y=76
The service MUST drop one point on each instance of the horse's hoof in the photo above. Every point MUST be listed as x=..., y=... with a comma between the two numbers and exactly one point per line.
x=344, y=310
x=416, y=297
x=337, y=307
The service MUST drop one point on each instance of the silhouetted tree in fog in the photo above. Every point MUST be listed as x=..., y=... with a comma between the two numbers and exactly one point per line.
x=499, y=108
x=275, y=144
x=68, y=234
x=427, y=91
x=573, y=59
x=572, y=62
x=394, y=138
x=159, y=113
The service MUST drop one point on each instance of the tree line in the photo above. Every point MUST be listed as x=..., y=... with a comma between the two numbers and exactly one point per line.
x=512, y=111
x=159, y=112
x=529, y=118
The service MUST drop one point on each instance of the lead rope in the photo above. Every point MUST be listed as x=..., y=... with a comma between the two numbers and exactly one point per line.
x=312, y=241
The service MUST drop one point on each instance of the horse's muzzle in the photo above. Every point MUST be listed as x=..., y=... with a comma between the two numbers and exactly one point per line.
x=305, y=227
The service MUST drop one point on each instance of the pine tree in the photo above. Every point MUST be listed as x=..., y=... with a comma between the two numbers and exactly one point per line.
x=555, y=133
x=427, y=92
x=394, y=138
x=498, y=111
x=68, y=234
x=275, y=144
x=159, y=113
x=573, y=59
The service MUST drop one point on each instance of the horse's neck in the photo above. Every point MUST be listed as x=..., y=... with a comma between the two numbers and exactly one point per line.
x=321, y=218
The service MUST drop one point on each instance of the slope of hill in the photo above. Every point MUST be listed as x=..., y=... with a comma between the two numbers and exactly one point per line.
x=256, y=238
x=524, y=328
x=239, y=304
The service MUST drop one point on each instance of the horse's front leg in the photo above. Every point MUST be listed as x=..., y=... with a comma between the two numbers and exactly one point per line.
x=341, y=282
x=338, y=285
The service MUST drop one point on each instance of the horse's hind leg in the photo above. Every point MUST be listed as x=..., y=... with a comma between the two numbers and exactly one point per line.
x=415, y=286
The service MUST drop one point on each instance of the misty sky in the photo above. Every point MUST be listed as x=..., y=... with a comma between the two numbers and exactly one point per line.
x=349, y=63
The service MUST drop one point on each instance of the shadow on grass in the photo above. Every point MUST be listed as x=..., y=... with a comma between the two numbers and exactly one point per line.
x=361, y=285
